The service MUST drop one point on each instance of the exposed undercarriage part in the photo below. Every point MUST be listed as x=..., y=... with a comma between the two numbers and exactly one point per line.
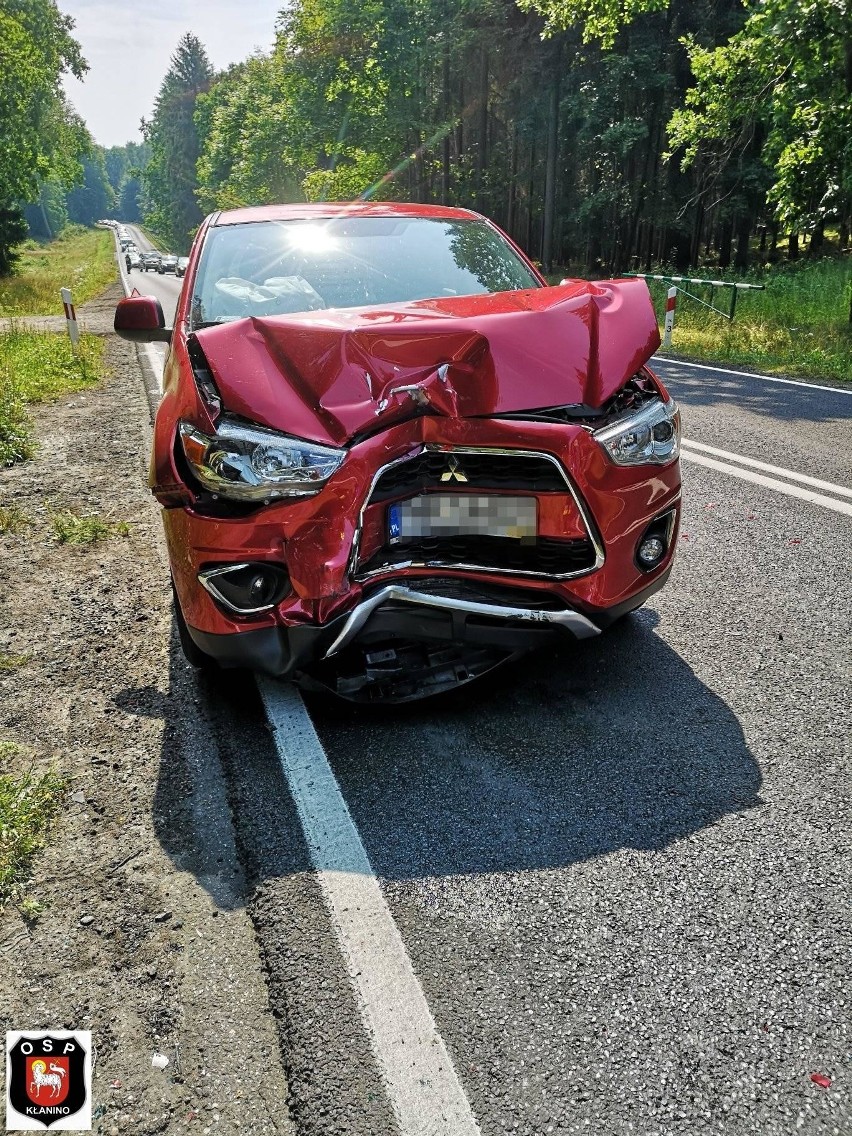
x=404, y=643
x=402, y=671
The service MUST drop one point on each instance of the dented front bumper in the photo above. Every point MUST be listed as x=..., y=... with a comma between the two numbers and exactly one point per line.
x=349, y=583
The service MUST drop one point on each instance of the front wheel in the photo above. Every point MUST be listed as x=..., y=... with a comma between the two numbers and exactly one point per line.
x=191, y=651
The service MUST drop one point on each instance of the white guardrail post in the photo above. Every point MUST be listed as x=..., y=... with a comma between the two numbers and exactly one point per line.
x=671, y=303
x=70, y=316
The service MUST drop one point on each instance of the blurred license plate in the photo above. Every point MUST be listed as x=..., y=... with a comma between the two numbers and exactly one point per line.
x=462, y=514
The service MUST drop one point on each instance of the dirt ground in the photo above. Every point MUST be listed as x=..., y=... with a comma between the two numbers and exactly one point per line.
x=144, y=938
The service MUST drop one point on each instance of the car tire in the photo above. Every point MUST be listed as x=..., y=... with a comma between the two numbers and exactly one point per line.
x=191, y=651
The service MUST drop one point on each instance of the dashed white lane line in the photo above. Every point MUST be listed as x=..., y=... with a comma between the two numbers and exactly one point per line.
x=749, y=375
x=803, y=494
x=740, y=459
x=422, y=1085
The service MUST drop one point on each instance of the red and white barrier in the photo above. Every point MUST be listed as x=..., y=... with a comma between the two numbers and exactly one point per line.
x=70, y=315
x=668, y=327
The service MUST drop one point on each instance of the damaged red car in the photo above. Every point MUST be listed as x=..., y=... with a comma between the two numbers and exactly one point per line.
x=390, y=457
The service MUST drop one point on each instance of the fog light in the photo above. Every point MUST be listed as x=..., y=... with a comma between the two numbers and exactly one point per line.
x=246, y=589
x=651, y=551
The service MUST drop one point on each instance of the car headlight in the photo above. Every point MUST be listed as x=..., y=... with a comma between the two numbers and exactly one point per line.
x=650, y=436
x=251, y=463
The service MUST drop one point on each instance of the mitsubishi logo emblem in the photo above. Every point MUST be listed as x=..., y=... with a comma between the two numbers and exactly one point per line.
x=454, y=473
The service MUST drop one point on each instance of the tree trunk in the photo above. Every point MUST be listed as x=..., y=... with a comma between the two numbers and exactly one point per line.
x=550, y=166
x=511, y=195
x=649, y=247
x=817, y=239
x=530, y=188
x=445, y=141
x=743, y=236
x=793, y=247
x=726, y=237
x=482, y=132
x=697, y=226
x=460, y=125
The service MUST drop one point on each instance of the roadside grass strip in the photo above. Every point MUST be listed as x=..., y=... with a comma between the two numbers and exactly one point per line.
x=81, y=259
x=422, y=1085
x=28, y=802
x=39, y=366
x=798, y=326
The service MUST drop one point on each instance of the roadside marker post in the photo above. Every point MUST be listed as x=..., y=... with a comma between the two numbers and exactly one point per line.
x=70, y=316
x=671, y=302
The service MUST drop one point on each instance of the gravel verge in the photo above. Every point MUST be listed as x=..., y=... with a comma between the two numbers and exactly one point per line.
x=144, y=936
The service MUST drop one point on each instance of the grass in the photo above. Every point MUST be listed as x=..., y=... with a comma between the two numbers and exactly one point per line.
x=81, y=259
x=13, y=519
x=39, y=366
x=798, y=326
x=27, y=804
x=72, y=528
x=12, y=662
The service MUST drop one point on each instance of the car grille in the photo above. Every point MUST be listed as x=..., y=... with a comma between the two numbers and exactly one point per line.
x=499, y=471
x=474, y=471
x=545, y=557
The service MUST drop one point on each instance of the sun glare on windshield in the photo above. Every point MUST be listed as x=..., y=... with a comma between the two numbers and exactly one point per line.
x=311, y=238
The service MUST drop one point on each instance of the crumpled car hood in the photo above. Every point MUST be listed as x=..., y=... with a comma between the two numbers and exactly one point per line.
x=329, y=376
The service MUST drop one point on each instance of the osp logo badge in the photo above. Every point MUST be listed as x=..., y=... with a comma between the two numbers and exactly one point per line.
x=49, y=1081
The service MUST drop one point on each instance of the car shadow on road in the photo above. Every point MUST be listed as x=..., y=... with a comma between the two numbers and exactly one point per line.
x=571, y=754
x=192, y=814
x=612, y=743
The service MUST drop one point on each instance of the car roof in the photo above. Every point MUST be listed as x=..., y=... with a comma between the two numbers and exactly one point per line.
x=303, y=211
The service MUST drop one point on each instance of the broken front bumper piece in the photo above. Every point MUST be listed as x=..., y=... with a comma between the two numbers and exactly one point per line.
x=572, y=621
x=402, y=643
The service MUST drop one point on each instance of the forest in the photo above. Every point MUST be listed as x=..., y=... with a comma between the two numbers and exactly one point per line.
x=605, y=135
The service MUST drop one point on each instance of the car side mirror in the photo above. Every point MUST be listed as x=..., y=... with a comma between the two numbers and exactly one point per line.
x=141, y=319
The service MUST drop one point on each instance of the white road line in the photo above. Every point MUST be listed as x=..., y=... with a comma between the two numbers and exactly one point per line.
x=804, y=479
x=770, y=483
x=749, y=375
x=422, y=1085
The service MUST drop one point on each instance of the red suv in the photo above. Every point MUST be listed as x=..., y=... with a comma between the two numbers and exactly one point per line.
x=390, y=456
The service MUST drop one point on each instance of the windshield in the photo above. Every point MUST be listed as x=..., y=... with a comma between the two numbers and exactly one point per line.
x=276, y=267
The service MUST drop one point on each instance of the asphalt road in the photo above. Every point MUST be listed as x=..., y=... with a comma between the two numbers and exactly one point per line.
x=621, y=870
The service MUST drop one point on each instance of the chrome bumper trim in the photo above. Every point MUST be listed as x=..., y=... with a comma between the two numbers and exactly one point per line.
x=572, y=621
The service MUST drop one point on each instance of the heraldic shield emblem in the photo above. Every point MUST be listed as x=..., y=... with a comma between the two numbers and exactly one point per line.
x=48, y=1084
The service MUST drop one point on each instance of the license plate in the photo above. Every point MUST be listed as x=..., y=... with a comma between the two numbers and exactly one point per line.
x=462, y=514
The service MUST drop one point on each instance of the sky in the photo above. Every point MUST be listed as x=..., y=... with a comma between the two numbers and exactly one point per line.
x=128, y=47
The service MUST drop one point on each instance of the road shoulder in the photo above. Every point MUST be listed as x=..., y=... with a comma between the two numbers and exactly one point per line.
x=144, y=938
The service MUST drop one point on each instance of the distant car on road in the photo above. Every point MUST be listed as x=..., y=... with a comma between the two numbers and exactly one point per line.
x=151, y=260
x=135, y=258
x=183, y=262
x=168, y=264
